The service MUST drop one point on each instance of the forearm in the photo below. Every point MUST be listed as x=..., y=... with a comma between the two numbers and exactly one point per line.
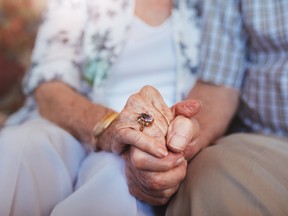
x=219, y=105
x=68, y=109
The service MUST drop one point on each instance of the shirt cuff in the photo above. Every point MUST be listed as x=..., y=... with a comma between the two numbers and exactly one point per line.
x=61, y=71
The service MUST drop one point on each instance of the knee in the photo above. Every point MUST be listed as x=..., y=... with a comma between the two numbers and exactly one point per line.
x=208, y=163
x=218, y=168
x=29, y=139
x=225, y=158
x=208, y=177
x=234, y=166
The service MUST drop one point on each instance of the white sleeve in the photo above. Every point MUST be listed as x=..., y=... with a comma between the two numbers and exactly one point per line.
x=57, y=53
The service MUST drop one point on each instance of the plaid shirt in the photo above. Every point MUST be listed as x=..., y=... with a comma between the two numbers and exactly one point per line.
x=245, y=46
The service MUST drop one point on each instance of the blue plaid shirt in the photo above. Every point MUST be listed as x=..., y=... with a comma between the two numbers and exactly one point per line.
x=245, y=46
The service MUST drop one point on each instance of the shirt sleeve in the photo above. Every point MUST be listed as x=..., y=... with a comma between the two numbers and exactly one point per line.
x=222, y=49
x=57, y=51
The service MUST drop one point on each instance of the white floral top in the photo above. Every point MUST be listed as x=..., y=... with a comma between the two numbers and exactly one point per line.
x=79, y=41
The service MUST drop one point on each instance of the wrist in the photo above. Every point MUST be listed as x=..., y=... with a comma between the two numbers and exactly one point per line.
x=101, y=126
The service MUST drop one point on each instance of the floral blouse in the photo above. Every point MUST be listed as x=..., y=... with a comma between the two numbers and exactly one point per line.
x=79, y=41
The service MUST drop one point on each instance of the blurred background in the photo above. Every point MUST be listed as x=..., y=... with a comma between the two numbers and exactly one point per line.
x=19, y=20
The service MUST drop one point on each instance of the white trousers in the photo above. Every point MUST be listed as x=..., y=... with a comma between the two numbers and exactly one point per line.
x=44, y=170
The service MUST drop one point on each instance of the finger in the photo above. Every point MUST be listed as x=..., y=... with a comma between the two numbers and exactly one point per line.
x=153, y=130
x=187, y=108
x=146, y=162
x=137, y=190
x=158, y=102
x=181, y=132
x=142, y=103
x=127, y=132
x=148, y=194
x=142, y=141
x=154, y=182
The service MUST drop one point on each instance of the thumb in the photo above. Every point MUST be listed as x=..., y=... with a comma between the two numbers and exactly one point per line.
x=187, y=108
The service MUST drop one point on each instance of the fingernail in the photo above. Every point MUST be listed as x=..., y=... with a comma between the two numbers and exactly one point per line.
x=162, y=152
x=178, y=143
x=179, y=161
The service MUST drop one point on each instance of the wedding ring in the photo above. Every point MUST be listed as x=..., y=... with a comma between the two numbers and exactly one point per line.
x=145, y=120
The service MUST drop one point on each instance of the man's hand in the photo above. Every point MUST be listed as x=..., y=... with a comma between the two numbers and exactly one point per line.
x=182, y=137
x=183, y=132
x=154, y=180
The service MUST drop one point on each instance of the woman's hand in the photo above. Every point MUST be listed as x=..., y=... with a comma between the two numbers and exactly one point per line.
x=125, y=131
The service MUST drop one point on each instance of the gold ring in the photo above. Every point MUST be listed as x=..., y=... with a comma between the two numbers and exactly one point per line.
x=145, y=120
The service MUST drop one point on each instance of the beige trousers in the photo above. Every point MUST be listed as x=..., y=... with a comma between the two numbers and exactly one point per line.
x=243, y=174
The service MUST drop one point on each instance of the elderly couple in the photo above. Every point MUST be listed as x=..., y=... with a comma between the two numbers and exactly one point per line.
x=144, y=107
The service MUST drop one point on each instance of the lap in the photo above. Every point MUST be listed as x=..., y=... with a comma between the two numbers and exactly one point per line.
x=38, y=154
x=33, y=156
x=38, y=140
x=242, y=174
x=102, y=188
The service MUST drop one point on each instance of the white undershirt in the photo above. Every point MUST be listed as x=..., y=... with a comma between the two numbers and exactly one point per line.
x=148, y=58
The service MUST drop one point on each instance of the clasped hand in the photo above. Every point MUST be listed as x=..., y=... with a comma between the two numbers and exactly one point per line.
x=156, y=158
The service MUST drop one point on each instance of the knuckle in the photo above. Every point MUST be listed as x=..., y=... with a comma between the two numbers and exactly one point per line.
x=155, y=182
x=147, y=88
x=138, y=159
x=133, y=99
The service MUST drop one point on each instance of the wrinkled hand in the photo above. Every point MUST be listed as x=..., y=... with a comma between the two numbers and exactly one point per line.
x=124, y=130
x=154, y=180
